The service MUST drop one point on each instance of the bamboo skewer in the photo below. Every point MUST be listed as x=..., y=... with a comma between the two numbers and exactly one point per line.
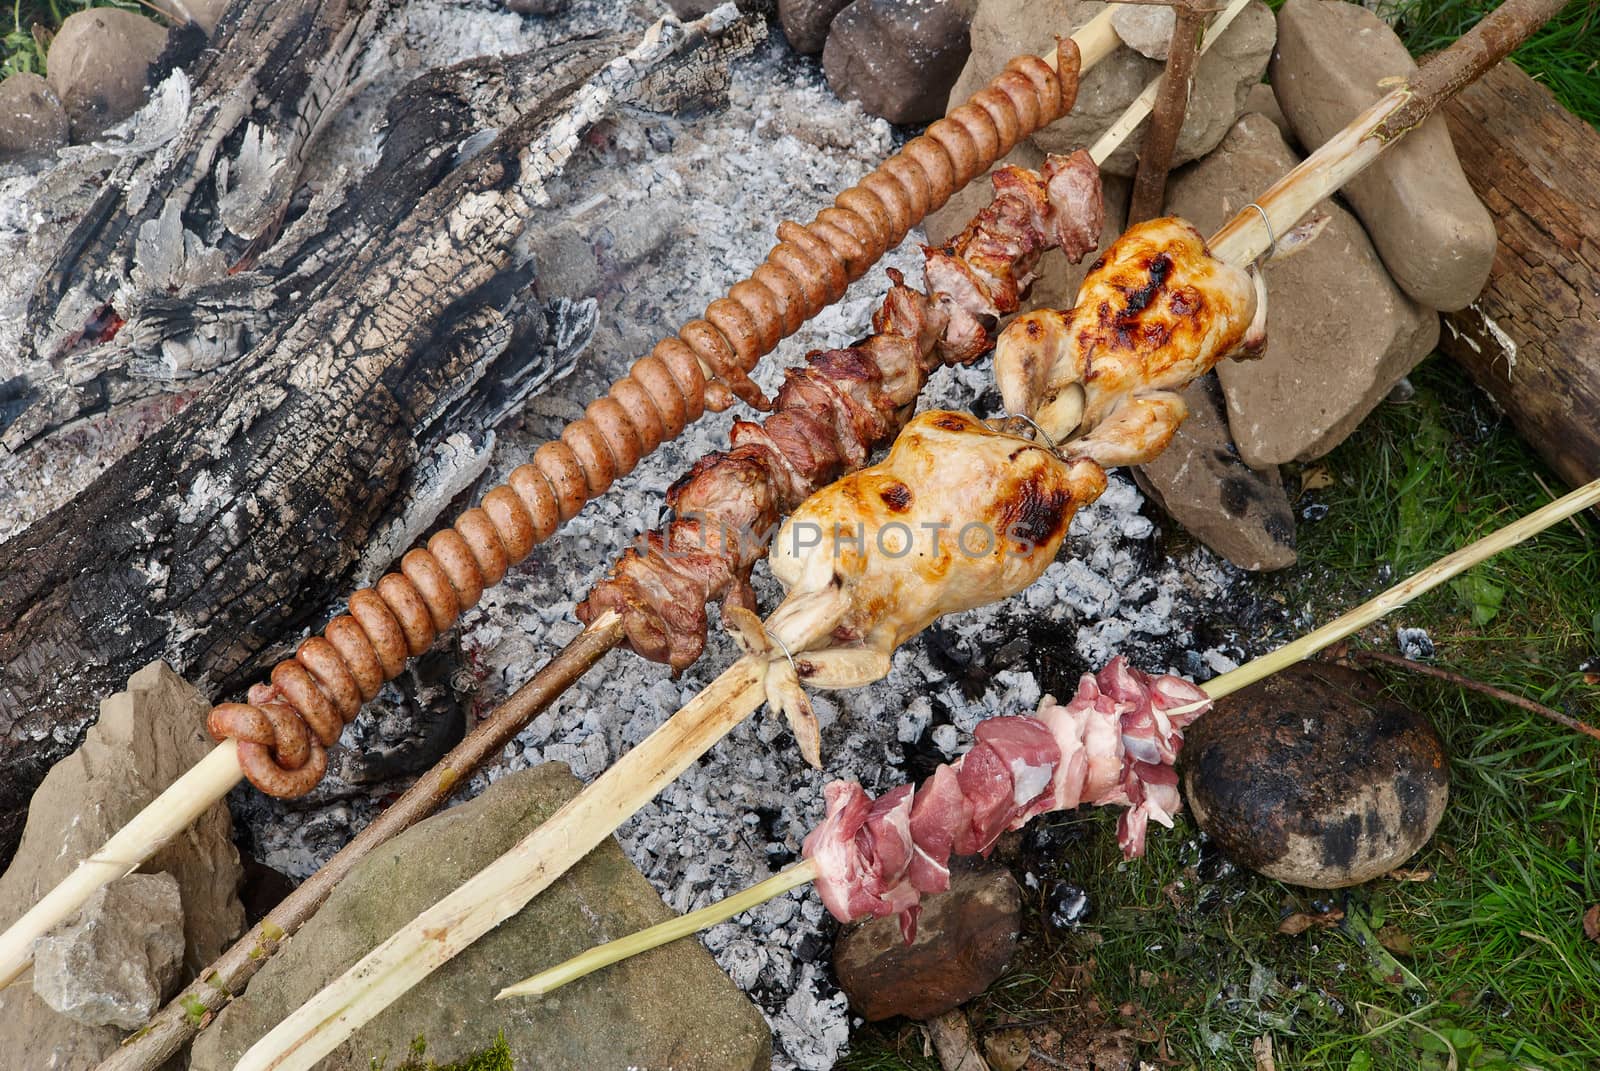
x=216, y=775
x=1343, y=626
x=389, y=970
x=501, y=889
x=662, y=933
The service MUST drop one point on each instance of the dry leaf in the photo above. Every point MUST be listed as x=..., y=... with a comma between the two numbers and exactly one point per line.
x=1315, y=478
x=1007, y=1050
x=1591, y=923
x=1420, y=873
x=1395, y=939
x=1262, y=1048
x=1300, y=922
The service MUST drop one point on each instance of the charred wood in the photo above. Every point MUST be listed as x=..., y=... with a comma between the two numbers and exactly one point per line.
x=308, y=463
x=1530, y=338
x=277, y=72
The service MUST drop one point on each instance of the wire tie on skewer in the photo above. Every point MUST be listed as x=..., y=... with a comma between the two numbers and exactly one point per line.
x=1272, y=237
x=1034, y=424
x=784, y=647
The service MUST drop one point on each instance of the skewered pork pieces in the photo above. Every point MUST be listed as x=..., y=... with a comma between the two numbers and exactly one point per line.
x=1115, y=743
x=830, y=415
x=956, y=516
x=1156, y=311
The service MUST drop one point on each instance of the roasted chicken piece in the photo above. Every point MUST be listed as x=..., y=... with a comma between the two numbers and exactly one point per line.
x=1156, y=311
x=956, y=516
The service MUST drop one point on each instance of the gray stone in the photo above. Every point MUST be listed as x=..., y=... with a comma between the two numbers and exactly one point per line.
x=1057, y=278
x=145, y=738
x=1145, y=28
x=1331, y=298
x=119, y=958
x=1003, y=28
x=1241, y=513
x=668, y=1008
x=32, y=122
x=98, y=64
x=1434, y=235
x=1263, y=101
x=965, y=938
x=684, y=9
x=899, y=58
x=805, y=22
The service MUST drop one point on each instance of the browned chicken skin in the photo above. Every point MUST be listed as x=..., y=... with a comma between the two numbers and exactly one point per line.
x=957, y=516
x=1156, y=311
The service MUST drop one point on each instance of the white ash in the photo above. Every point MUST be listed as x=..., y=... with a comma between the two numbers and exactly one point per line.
x=1414, y=643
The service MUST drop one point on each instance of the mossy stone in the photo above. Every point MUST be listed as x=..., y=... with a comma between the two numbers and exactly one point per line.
x=670, y=1008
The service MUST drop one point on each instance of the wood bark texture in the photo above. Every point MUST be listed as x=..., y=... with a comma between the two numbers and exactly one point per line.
x=312, y=456
x=1161, y=136
x=276, y=72
x=1532, y=337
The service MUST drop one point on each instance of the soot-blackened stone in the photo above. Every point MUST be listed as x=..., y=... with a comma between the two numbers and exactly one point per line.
x=1314, y=777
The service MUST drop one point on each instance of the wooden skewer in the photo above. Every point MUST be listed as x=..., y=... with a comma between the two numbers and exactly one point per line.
x=662, y=933
x=215, y=776
x=501, y=889
x=388, y=971
x=1343, y=626
x=165, y=1034
x=1347, y=153
x=1155, y=152
x=1145, y=102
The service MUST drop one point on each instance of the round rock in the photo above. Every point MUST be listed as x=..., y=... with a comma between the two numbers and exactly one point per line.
x=805, y=22
x=1145, y=29
x=1316, y=778
x=32, y=123
x=1437, y=239
x=965, y=938
x=98, y=65
x=899, y=58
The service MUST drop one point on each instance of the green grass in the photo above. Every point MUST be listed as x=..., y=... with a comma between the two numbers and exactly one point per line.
x=1187, y=957
x=1564, y=53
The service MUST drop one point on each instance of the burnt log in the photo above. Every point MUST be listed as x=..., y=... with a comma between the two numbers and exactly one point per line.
x=276, y=71
x=305, y=466
x=1530, y=338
